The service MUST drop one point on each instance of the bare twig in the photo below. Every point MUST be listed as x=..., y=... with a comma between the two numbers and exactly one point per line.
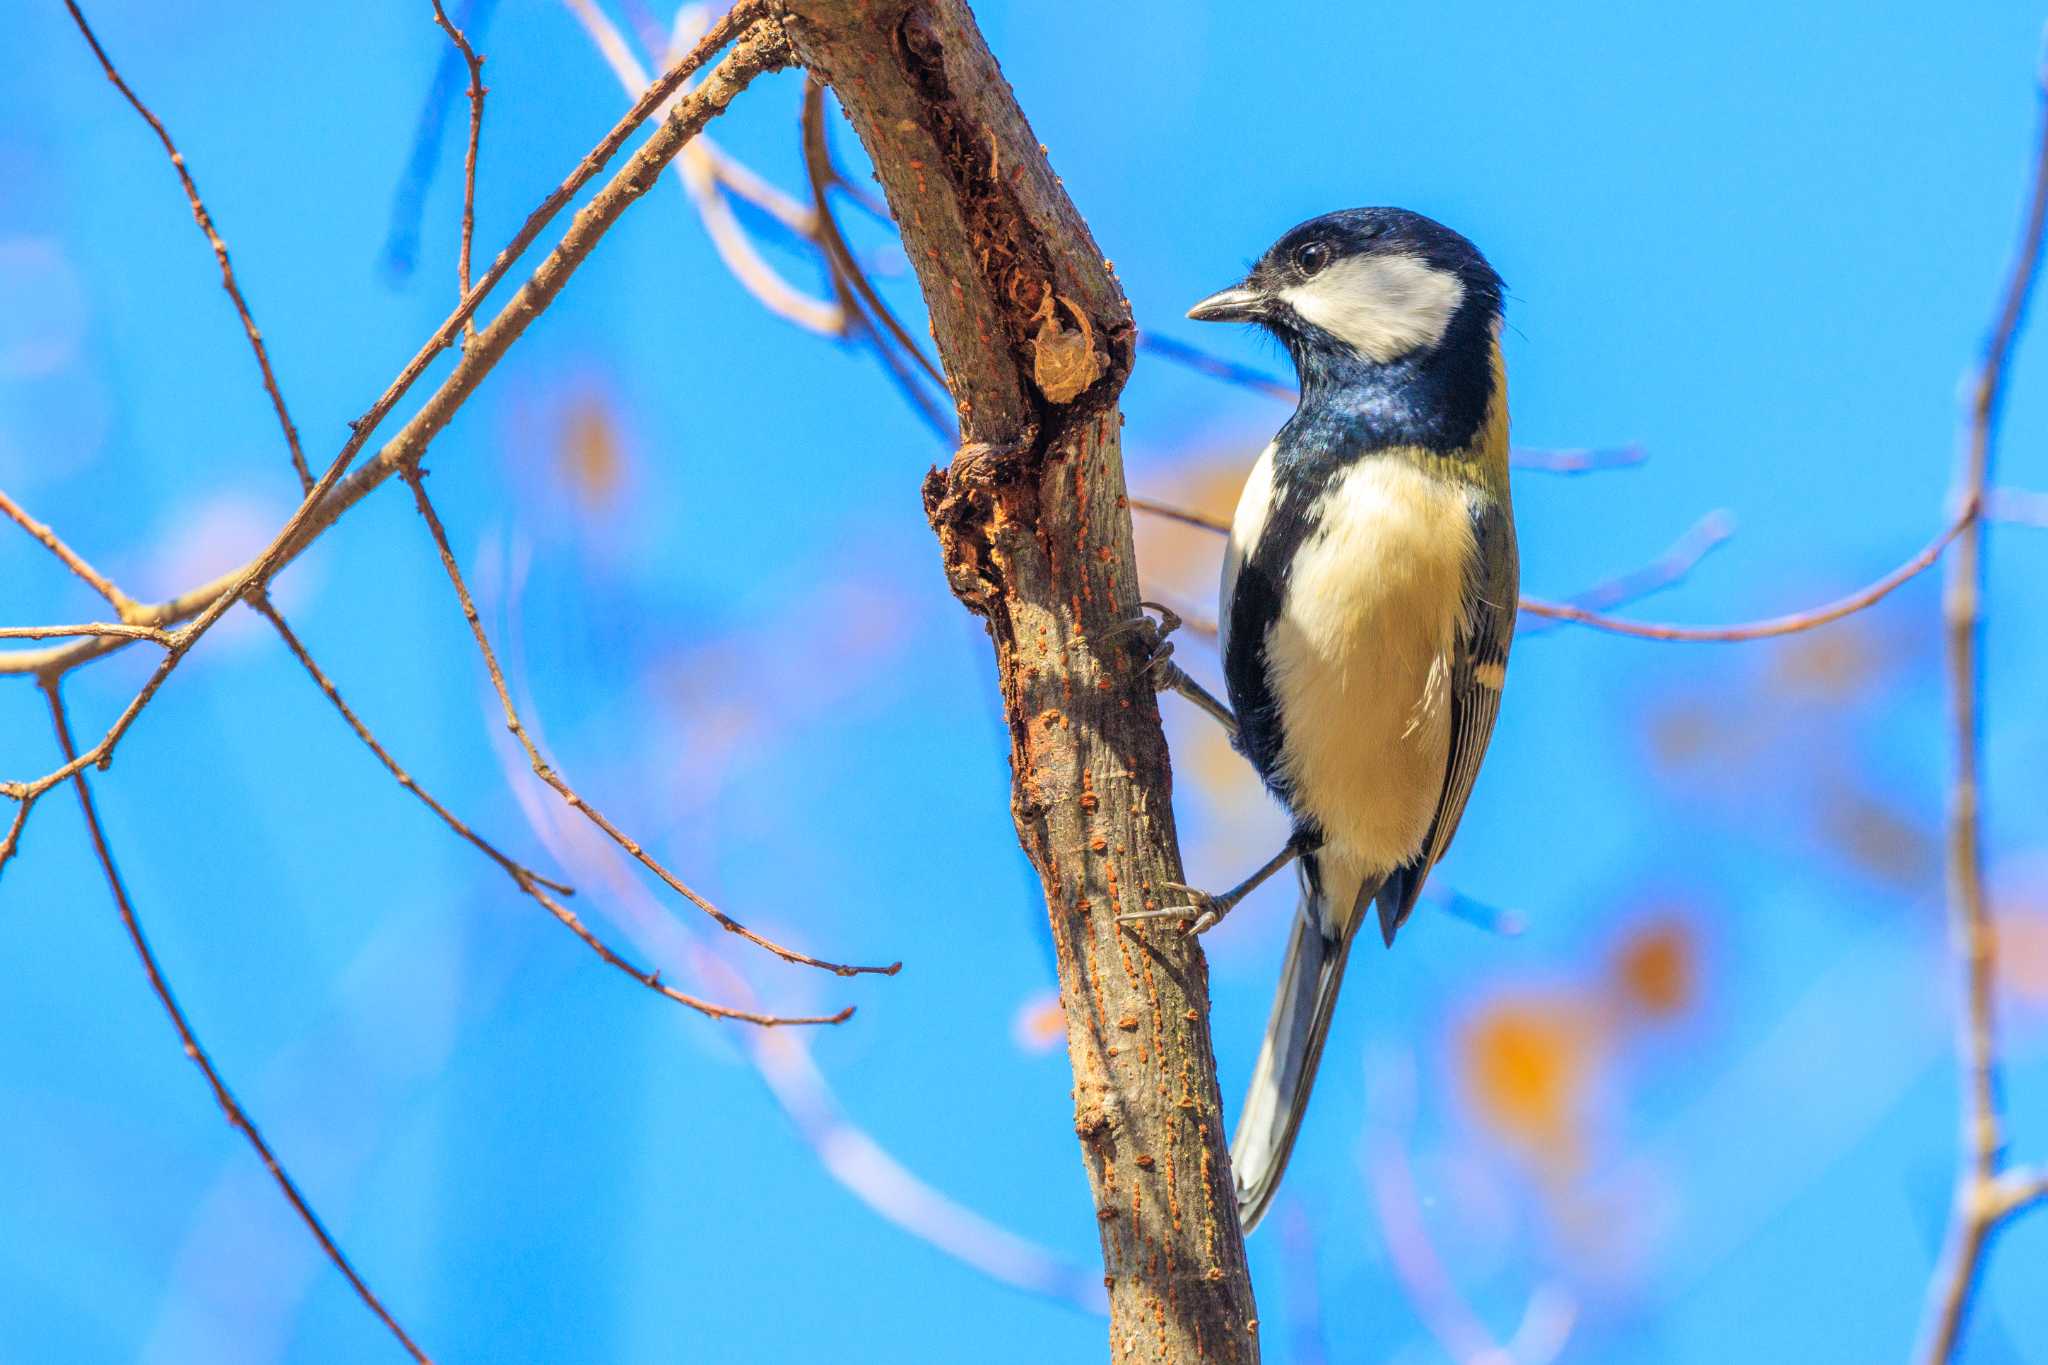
x=320, y=509
x=262, y=605
x=1201, y=521
x=845, y=1151
x=1980, y=1204
x=1789, y=624
x=236, y=1115
x=857, y=295
x=824, y=175
x=22, y=806
x=525, y=878
x=759, y=49
x=701, y=181
x=124, y=606
x=213, y=239
x=1216, y=367
x=99, y=629
x=415, y=479
x=1701, y=539
x=1584, y=460
x=476, y=124
x=402, y=240
x=653, y=981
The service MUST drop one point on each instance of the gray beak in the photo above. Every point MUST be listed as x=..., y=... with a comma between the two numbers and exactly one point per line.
x=1235, y=304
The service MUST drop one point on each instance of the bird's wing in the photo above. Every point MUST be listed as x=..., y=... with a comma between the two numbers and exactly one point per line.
x=1478, y=668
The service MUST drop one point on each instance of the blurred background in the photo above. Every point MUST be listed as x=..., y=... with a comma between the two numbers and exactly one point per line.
x=1665, y=1073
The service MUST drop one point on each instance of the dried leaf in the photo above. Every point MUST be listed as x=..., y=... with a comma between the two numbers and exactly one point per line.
x=1064, y=362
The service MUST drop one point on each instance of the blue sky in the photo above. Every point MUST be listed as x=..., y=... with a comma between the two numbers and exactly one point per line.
x=1762, y=243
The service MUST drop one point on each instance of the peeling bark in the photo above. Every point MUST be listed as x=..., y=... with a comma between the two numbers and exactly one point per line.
x=1035, y=531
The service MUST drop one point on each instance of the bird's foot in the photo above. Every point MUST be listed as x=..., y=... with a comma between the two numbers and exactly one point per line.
x=1203, y=911
x=1153, y=645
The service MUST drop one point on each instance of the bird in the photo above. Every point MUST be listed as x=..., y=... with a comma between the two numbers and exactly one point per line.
x=1367, y=606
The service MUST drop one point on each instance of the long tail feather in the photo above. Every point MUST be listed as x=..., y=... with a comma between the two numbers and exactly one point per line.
x=1286, y=1071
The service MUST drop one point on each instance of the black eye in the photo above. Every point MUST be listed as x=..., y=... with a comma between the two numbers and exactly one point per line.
x=1310, y=257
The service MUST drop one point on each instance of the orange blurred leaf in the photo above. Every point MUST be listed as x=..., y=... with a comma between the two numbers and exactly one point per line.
x=590, y=452
x=1656, y=970
x=1526, y=1063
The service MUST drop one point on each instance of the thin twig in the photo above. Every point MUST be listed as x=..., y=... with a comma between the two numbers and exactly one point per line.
x=23, y=804
x=525, y=878
x=519, y=872
x=124, y=606
x=213, y=239
x=1216, y=367
x=236, y=1115
x=415, y=479
x=97, y=629
x=825, y=173
x=701, y=181
x=27, y=793
x=1978, y=1207
x=1581, y=460
x=1789, y=624
x=1702, y=538
x=763, y=193
x=857, y=295
x=758, y=49
x=476, y=124
x=319, y=510
x=1201, y=521
x=653, y=981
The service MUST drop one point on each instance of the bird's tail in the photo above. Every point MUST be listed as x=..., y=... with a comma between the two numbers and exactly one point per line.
x=1286, y=1070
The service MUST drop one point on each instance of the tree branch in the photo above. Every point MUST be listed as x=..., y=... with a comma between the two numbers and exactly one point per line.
x=1981, y=1201
x=213, y=239
x=759, y=48
x=236, y=1115
x=124, y=606
x=475, y=64
x=415, y=479
x=331, y=496
x=1789, y=624
x=1036, y=339
x=524, y=877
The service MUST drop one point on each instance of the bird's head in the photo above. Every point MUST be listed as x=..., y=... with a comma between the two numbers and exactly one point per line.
x=1378, y=285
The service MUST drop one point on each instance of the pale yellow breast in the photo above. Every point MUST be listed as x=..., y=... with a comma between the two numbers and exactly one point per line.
x=1360, y=658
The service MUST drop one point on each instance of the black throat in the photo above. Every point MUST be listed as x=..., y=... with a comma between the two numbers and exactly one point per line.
x=1435, y=399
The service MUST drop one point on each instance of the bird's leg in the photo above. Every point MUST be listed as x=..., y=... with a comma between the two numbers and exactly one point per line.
x=1207, y=910
x=1168, y=676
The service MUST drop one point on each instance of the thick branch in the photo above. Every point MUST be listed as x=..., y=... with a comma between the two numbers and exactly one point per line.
x=1036, y=339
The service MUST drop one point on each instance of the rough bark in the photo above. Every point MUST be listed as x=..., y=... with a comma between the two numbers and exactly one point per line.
x=1031, y=516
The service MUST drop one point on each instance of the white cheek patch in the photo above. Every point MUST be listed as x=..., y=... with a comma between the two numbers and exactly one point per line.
x=1383, y=307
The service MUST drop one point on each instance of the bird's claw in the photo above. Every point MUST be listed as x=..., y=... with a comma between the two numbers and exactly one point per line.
x=1203, y=913
x=1158, y=648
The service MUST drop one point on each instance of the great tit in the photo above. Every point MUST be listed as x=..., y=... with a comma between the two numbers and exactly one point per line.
x=1368, y=602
